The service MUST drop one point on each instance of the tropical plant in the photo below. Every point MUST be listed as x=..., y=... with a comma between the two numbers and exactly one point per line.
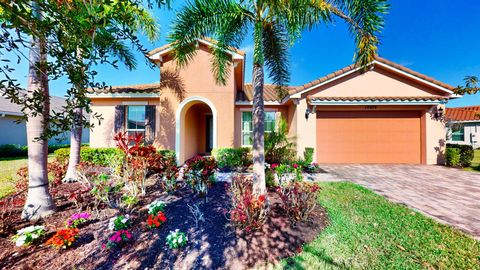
x=299, y=199
x=471, y=86
x=248, y=211
x=155, y=220
x=200, y=173
x=279, y=148
x=275, y=24
x=176, y=239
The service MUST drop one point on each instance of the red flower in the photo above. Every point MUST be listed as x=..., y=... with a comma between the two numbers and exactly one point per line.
x=261, y=198
x=295, y=165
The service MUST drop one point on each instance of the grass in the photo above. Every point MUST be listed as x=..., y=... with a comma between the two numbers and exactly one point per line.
x=475, y=167
x=369, y=232
x=8, y=173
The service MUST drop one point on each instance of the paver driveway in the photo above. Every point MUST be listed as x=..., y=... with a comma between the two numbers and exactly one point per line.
x=449, y=195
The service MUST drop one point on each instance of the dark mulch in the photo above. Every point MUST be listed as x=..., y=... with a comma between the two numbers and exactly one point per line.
x=213, y=244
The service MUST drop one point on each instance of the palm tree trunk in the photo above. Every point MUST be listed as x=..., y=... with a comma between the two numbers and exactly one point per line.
x=259, y=186
x=75, y=145
x=39, y=202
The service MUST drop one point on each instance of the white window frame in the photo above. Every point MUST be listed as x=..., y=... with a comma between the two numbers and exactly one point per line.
x=242, y=110
x=126, y=119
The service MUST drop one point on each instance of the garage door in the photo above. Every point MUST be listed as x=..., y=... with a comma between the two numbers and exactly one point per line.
x=369, y=137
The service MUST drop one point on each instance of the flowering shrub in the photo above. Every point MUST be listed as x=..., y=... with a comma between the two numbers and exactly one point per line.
x=119, y=223
x=248, y=211
x=117, y=239
x=63, y=238
x=299, y=199
x=28, y=235
x=312, y=167
x=285, y=173
x=176, y=239
x=200, y=172
x=76, y=219
x=156, y=206
x=155, y=220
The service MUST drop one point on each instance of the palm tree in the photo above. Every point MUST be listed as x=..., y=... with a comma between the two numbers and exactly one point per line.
x=471, y=86
x=276, y=24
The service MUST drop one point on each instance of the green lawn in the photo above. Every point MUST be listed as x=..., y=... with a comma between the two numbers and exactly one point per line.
x=475, y=163
x=369, y=232
x=8, y=173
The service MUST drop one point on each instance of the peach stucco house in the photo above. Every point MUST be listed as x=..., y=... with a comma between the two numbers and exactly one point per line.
x=388, y=114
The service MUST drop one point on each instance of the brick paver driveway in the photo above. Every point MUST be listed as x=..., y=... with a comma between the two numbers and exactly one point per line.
x=449, y=195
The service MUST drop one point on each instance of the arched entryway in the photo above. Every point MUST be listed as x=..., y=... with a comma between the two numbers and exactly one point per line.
x=196, y=128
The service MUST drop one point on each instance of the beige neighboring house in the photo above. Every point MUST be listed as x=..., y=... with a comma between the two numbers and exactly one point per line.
x=389, y=114
x=16, y=133
x=463, y=125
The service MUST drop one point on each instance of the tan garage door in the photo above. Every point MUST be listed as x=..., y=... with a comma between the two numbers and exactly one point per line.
x=369, y=137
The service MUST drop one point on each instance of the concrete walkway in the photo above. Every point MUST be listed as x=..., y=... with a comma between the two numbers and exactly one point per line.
x=448, y=195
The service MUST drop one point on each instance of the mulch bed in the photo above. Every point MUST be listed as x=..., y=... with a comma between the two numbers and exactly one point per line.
x=213, y=243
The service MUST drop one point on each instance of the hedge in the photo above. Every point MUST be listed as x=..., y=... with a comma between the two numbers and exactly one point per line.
x=99, y=156
x=465, y=153
x=16, y=150
x=232, y=158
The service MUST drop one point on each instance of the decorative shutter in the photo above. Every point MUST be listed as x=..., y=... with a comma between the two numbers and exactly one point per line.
x=150, y=123
x=119, y=124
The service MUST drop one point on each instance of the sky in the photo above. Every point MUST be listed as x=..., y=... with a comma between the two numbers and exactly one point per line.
x=438, y=38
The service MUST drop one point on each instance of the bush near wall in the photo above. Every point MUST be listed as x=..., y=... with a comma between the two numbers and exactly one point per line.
x=167, y=153
x=230, y=159
x=16, y=150
x=98, y=156
x=465, y=155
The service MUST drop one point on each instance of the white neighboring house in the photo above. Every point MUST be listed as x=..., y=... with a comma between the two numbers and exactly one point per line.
x=463, y=125
x=12, y=132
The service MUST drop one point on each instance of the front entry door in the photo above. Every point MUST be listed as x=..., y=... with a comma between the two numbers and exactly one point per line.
x=209, y=135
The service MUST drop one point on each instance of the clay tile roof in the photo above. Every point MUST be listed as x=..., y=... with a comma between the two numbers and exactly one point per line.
x=426, y=98
x=377, y=58
x=269, y=93
x=137, y=88
x=470, y=113
x=211, y=40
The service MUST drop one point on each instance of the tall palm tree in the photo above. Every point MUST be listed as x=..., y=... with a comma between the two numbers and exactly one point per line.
x=276, y=24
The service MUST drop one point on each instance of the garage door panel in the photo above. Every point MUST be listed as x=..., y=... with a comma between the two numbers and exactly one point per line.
x=369, y=137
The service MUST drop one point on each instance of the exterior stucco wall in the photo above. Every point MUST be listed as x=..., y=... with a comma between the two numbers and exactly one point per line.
x=436, y=138
x=374, y=84
x=306, y=129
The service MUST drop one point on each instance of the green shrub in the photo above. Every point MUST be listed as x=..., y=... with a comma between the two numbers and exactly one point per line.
x=308, y=155
x=13, y=150
x=452, y=156
x=466, y=154
x=232, y=158
x=98, y=156
x=167, y=153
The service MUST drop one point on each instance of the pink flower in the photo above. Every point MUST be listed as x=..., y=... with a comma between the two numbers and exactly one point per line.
x=274, y=165
x=295, y=165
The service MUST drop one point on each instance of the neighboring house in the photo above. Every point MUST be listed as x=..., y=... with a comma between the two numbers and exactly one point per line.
x=16, y=133
x=389, y=114
x=463, y=125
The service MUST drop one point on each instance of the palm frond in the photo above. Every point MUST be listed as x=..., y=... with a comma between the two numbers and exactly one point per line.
x=275, y=47
x=365, y=23
x=224, y=20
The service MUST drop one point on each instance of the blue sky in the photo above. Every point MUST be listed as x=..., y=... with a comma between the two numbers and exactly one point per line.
x=437, y=38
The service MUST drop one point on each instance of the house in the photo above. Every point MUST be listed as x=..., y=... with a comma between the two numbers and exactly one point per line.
x=15, y=130
x=463, y=125
x=388, y=114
